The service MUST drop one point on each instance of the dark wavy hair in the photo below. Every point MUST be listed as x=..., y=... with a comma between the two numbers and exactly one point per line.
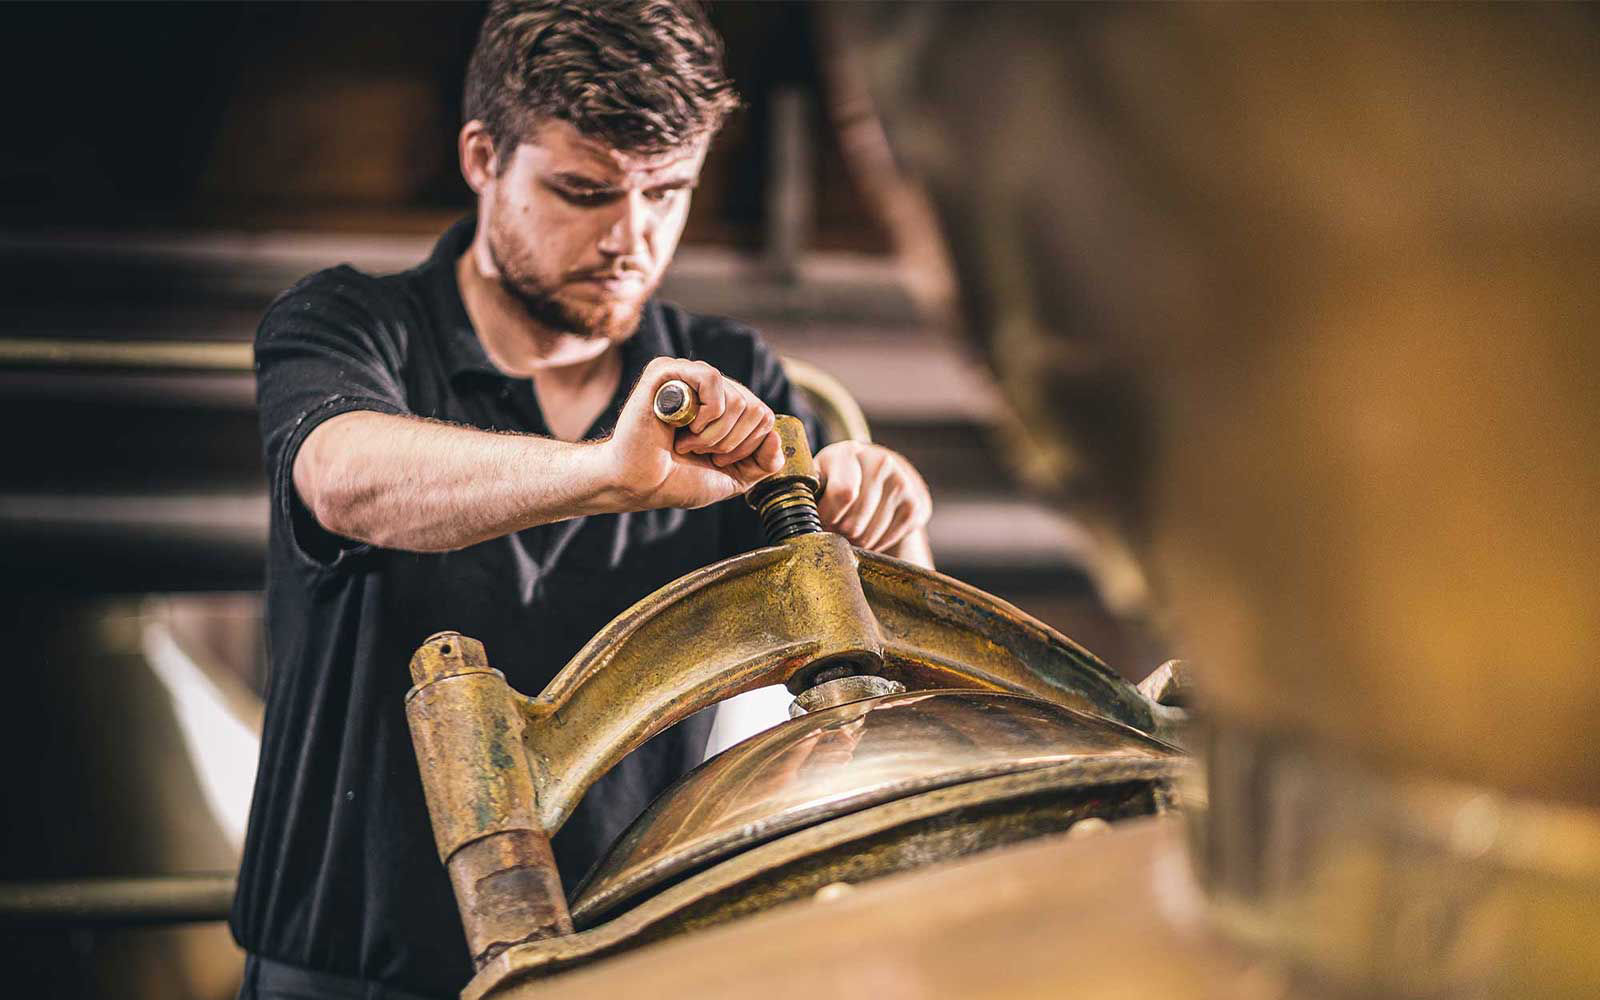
x=642, y=76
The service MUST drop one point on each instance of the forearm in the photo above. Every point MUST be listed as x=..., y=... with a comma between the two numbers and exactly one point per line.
x=412, y=484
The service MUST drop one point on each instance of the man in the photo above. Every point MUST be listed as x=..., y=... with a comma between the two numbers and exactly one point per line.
x=469, y=445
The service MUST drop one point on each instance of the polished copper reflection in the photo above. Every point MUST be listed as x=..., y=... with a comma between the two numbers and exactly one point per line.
x=838, y=760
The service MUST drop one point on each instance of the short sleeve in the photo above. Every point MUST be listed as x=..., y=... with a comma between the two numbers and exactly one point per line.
x=324, y=348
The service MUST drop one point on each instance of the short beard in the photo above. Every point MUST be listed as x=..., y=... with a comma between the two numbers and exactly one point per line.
x=543, y=307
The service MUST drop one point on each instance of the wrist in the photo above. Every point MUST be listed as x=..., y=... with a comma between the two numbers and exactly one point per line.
x=611, y=490
x=577, y=478
x=605, y=492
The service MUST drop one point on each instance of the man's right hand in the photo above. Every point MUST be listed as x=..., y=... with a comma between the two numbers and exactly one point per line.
x=727, y=448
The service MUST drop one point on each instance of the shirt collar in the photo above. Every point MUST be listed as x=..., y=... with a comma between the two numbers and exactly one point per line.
x=459, y=347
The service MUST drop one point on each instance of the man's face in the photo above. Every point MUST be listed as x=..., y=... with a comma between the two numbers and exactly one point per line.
x=582, y=233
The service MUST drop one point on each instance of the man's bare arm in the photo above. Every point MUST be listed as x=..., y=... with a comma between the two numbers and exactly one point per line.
x=418, y=485
x=405, y=483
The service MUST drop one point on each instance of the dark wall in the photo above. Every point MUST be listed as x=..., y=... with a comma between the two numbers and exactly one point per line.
x=334, y=116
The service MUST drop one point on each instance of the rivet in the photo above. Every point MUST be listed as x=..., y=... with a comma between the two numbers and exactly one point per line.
x=833, y=891
x=1088, y=827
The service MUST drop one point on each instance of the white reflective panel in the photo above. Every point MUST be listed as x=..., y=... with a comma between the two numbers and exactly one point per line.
x=742, y=716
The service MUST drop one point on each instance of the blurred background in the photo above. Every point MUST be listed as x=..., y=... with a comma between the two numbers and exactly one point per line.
x=166, y=170
x=1295, y=301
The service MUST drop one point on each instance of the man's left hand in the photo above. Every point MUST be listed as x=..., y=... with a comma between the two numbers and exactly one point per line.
x=873, y=497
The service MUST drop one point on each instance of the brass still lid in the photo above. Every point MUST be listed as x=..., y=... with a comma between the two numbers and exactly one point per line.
x=839, y=760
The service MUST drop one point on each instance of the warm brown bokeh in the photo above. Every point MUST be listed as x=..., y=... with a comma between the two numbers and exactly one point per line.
x=1311, y=291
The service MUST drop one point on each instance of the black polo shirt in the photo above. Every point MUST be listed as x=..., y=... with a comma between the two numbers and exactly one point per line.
x=340, y=873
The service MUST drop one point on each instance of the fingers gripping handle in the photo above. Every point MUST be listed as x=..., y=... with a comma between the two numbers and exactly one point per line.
x=787, y=499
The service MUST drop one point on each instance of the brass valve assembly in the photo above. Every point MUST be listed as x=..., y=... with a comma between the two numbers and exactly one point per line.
x=932, y=720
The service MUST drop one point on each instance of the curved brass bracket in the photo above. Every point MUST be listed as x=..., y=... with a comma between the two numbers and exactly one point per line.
x=746, y=622
x=940, y=632
x=775, y=614
x=778, y=615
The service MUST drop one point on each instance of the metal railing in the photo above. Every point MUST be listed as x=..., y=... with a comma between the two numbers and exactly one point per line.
x=116, y=902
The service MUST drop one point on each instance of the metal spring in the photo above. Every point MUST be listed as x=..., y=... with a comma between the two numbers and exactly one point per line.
x=789, y=510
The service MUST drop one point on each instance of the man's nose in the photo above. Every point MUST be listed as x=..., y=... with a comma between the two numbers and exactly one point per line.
x=628, y=235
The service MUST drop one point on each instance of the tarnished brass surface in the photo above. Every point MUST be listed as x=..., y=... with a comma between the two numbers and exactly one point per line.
x=508, y=890
x=1061, y=916
x=798, y=462
x=772, y=616
x=466, y=725
x=777, y=613
x=940, y=632
x=746, y=622
x=466, y=728
x=764, y=617
x=786, y=501
x=502, y=772
x=907, y=833
x=839, y=760
x=928, y=831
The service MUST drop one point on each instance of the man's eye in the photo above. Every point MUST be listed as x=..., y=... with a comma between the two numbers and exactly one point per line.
x=662, y=194
x=586, y=199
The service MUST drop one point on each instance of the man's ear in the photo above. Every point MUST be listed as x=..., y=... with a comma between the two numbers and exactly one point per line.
x=476, y=148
